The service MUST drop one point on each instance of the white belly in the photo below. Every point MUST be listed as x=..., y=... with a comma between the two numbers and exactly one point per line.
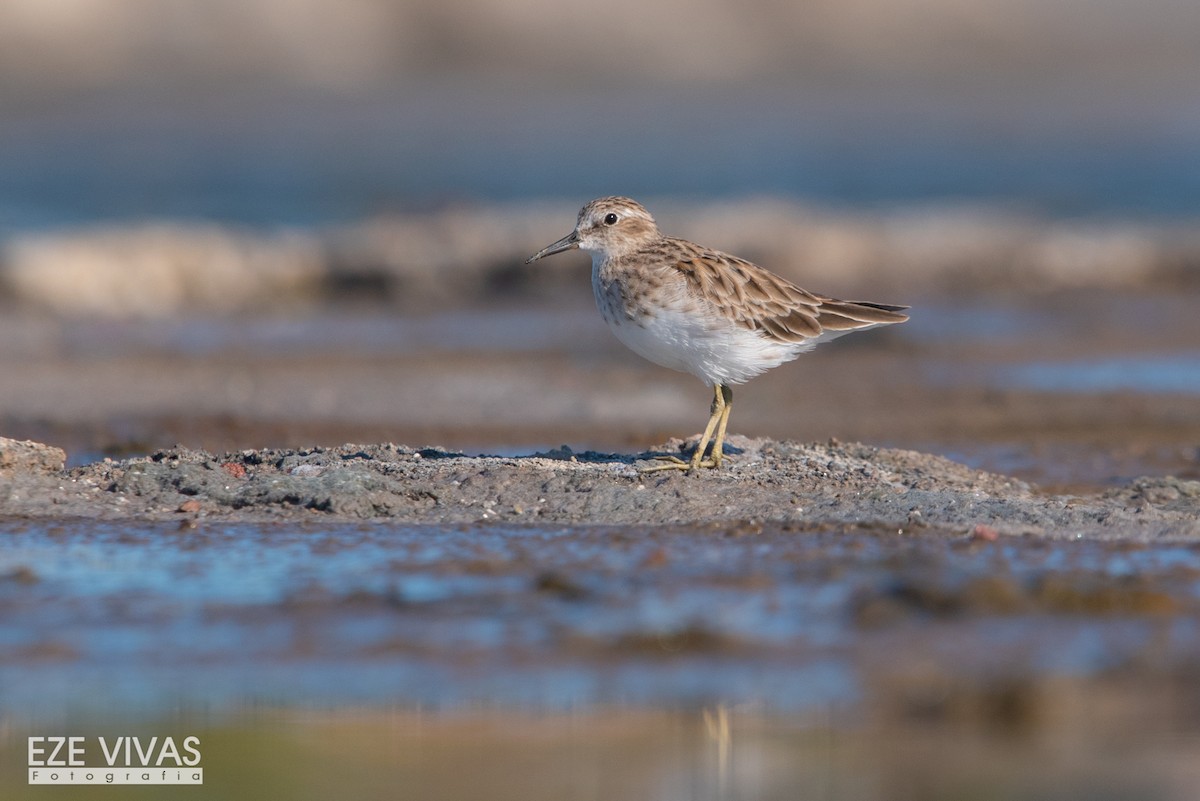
x=713, y=349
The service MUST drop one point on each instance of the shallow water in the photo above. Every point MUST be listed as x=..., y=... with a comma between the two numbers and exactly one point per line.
x=713, y=662
x=125, y=618
x=1170, y=372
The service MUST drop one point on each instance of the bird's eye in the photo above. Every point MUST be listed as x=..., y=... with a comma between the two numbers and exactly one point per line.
x=610, y=219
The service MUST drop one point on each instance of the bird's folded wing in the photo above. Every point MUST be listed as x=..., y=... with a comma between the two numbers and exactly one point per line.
x=747, y=294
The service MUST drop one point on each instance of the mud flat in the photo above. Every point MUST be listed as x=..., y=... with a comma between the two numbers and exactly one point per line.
x=807, y=615
x=762, y=480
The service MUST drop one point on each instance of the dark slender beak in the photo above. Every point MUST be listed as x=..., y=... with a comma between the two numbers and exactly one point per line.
x=568, y=242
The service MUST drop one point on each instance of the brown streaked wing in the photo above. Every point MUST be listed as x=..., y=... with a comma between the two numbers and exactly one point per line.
x=749, y=295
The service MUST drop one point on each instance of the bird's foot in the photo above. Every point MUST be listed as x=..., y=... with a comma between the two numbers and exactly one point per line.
x=675, y=463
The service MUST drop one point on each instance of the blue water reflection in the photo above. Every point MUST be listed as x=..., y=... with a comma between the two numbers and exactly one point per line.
x=1154, y=373
x=283, y=160
x=149, y=616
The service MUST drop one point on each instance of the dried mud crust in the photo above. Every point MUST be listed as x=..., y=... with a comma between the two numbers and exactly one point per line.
x=763, y=480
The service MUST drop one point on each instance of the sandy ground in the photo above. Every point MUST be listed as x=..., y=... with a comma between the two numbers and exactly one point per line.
x=763, y=480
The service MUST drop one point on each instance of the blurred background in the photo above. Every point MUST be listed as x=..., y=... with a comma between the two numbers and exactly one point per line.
x=303, y=112
x=285, y=222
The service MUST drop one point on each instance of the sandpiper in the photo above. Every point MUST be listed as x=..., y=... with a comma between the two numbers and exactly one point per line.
x=701, y=311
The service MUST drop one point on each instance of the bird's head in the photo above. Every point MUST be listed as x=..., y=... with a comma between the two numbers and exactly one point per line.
x=609, y=227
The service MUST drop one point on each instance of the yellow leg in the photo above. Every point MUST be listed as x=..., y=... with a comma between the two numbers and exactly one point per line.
x=718, y=449
x=718, y=416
